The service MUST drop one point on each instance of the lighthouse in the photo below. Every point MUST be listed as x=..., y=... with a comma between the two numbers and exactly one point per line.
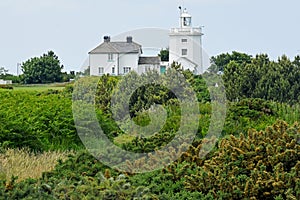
x=185, y=44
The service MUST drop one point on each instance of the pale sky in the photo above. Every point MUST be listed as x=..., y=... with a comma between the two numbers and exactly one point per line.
x=71, y=28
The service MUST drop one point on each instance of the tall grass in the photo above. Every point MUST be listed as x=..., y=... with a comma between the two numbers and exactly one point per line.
x=25, y=164
x=288, y=113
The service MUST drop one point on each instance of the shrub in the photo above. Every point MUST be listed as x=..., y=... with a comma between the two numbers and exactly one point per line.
x=6, y=87
x=37, y=120
x=261, y=165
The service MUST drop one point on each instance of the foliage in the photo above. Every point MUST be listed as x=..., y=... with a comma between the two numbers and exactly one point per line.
x=105, y=87
x=3, y=71
x=24, y=164
x=9, y=87
x=262, y=78
x=262, y=164
x=221, y=61
x=79, y=177
x=7, y=76
x=164, y=55
x=251, y=113
x=37, y=120
x=43, y=69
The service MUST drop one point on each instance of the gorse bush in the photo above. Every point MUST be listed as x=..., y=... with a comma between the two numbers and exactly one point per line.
x=79, y=177
x=262, y=164
x=257, y=165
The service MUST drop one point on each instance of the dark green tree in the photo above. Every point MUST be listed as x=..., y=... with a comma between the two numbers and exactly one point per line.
x=44, y=69
x=164, y=54
x=233, y=81
x=222, y=60
x=3, y=71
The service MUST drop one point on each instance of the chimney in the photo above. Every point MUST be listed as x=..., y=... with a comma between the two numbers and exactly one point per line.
x=129, y=39
x=106, y=38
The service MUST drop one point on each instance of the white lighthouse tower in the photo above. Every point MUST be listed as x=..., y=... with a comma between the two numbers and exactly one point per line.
x=185, y=44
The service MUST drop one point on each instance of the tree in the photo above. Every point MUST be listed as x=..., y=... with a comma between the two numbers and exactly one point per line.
x=164, y=55
x=222, y=60
x=3, y=71
x=232, y=81
x=44, y=69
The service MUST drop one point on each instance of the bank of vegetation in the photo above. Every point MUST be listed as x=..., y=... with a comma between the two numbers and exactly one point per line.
x=257, y=155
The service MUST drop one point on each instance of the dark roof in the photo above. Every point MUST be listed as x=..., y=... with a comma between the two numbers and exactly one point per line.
x=117, y=47
x=149, y=60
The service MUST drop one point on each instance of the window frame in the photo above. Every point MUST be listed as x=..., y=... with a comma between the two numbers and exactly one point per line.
x=126, y=70
x=101, y=69
x=113, y=70
x=110, y=57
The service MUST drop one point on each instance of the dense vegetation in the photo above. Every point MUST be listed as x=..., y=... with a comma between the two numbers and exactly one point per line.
x=257, y=157
x=37, y=120
x=260, y=77
x=39, y=70
x=43, y=69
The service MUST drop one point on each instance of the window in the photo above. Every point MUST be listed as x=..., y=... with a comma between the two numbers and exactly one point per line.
x=187, y=21
x=113, y=70
x=183, y=52
x=110, y=57
x=101, y=70
x=184, y=40
x=147, y=68
x=126, y=69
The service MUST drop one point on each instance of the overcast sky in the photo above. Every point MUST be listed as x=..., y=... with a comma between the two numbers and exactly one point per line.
x=71, y=28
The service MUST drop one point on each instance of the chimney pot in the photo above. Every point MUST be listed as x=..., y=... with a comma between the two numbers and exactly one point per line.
x=106, y=38
x=129, y=39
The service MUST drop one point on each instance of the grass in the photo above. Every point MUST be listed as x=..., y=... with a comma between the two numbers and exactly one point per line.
x=25, y=164
x=36, y=88
x=123, y=139
x=40, y=87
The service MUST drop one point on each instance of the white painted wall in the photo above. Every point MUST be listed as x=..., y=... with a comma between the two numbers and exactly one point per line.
x=145, y=67
x=101, y=60
x=193, y=45
x=5, y=82
x=187, y=65
x=120, y=61
x=128, y=60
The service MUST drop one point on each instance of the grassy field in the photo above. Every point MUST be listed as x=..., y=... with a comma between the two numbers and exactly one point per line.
x=36, y=88
x=40, y=87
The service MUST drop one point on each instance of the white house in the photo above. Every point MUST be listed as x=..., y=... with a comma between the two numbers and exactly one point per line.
x=120, y=57
x=116, y=58
x=5, y=82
